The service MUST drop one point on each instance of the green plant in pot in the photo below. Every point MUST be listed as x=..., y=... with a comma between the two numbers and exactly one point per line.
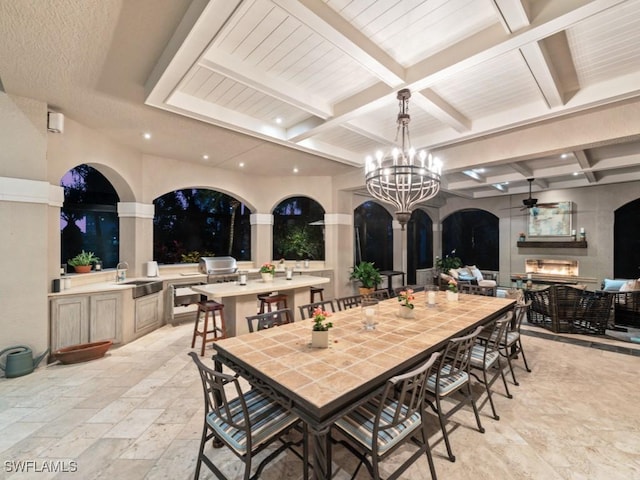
x=368, y=275
x=448, y=262
x=82, y=262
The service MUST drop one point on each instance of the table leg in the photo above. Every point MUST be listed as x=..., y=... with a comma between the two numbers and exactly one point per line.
x=320, y=447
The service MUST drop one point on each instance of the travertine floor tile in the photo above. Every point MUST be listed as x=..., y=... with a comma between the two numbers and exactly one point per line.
x=137, y=414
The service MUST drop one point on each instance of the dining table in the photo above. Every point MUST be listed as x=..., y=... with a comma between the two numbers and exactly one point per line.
x=322, y=384
x=240, y=301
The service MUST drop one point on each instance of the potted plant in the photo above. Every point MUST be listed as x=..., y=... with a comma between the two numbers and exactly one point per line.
x=406, y=297
x=448, y=262
x=82, y=262
x=320, y=330
x=267, y=270
x=368, y=275
x=521, y=237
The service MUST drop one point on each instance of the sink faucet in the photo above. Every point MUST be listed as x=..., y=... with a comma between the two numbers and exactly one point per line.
x=121, y=272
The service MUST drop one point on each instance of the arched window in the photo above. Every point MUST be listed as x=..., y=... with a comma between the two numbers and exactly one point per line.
x=419, y=244
x=89, y=216
x=192, y=223
x=474, y=235
x=373, y=235
x=626, y=241
x=298, y=229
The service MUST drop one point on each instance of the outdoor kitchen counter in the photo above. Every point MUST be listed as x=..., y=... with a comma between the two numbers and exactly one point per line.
x=240, y=301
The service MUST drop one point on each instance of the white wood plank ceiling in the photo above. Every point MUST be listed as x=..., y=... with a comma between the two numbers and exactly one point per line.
x=320, y=76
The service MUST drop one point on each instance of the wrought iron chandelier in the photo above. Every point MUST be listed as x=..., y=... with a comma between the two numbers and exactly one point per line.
x=404, y=177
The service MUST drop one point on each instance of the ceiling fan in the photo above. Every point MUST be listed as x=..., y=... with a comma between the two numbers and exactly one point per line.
x=529, y=202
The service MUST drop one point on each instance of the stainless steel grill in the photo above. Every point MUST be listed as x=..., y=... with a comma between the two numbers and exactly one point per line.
x=218, y=265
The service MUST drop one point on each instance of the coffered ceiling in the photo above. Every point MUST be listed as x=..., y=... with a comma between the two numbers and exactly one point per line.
x=311, y=84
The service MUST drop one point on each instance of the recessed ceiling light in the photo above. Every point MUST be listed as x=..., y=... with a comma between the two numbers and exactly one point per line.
x=241, y=164
x=146, y=135
x=576, y=173
x=278, y=120
x=205, y=157
x=295, y=169
x=564, y=155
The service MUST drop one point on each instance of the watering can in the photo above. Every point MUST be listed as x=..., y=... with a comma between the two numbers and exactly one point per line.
x=19, y=361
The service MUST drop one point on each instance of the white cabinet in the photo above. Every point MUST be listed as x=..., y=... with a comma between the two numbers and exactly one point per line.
x=79, y=319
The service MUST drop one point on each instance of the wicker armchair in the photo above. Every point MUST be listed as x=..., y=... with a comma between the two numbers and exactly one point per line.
x=554, y=307
x=592, y=312
x=627, y=308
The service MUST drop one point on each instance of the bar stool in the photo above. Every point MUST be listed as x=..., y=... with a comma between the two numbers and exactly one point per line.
x=206, y=307
x=266, y=301
x=316, y=291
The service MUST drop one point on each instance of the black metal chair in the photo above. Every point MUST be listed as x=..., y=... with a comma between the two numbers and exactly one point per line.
x=452, y=375
x=352, y=301
x=511, y=346
x=375, y=429
x=246, y=422
x=485, y=355
x=306, y=311
x=269, y=319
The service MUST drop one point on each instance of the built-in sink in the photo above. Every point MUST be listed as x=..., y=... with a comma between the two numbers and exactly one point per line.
x=144, y=287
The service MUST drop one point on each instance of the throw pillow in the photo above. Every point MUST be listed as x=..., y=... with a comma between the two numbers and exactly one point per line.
x=630, y=286
x=454, y=273
x=613, y=285
x=475, y=271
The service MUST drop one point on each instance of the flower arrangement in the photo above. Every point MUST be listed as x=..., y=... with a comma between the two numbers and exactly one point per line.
x=319, y=316
x=405, y=297
x=453, y=286
x=268, y=268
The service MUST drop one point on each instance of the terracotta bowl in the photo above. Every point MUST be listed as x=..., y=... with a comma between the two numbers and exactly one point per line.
x=82, y=352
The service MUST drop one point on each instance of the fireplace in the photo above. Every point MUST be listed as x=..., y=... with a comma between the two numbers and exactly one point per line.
x=552, y=267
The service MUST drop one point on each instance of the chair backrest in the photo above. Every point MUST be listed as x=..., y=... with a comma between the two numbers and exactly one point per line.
x=217, y=398
x=402, y=397
x=519, y=312
x=307, y=310
x=497, y=334
x=382, y=294
x=270, y=319
x=351, y=301
x=456, y=357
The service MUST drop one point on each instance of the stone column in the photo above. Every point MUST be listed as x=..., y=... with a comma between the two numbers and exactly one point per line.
x=261, y=238
x=338, y=247
x=136, y=235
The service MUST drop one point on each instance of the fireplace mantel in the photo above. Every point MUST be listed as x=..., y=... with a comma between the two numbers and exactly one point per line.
x=551, y=244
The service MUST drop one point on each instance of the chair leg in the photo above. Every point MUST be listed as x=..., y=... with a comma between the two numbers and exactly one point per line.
x=488, y=389
x=205, y=329
x=203, y=440
x=521, y=350
x=195, y=329
x=475, y=408
x=513, y=375
x=441, y=417
x=425, y=437
x=504, y=380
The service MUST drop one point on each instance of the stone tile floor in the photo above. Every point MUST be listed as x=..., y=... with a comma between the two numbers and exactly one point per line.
x=136, y=414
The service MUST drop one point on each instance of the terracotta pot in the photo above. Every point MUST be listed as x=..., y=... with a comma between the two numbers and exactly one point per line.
x=82, y=352
x=366, y=291
x=320, y=339
x=82, y=268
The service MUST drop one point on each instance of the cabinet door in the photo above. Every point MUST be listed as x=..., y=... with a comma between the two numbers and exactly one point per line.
x=148, y=312
x=69, y=321
x=106, y=317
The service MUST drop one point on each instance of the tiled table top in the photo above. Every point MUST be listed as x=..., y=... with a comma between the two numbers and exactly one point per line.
x=355, y=357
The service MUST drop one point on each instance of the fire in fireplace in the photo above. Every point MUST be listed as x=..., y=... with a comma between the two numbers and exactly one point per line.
x=552, y=267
